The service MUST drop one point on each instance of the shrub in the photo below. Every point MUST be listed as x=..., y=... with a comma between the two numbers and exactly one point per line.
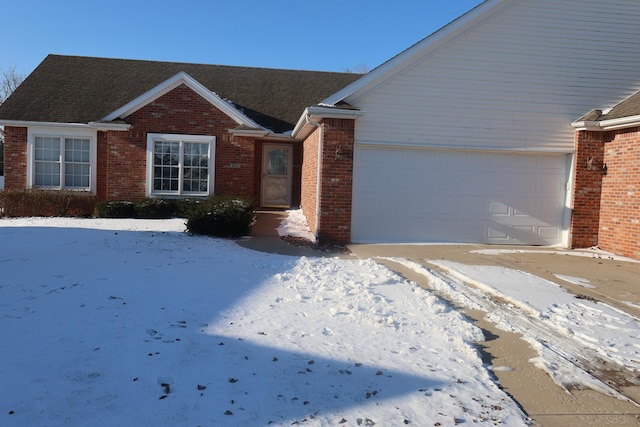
x=155, y=208
x=114, y=210
x=221, y=216
x=39, y=202
x=185, y=207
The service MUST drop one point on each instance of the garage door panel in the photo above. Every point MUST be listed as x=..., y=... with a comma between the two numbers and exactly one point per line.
x=405, y=195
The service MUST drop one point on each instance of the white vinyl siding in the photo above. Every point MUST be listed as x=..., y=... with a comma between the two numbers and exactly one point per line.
x=515, y=81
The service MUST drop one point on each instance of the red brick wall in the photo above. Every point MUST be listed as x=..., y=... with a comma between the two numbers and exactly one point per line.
x=620, y=204
x=588, y=185
x=309, y=179
x=15, y=158
x=334, y=222
x=336, y=182
x=180, y=111
x=235, y=157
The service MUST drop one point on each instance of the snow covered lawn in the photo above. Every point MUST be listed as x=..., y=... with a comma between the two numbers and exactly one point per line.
x=133, y=322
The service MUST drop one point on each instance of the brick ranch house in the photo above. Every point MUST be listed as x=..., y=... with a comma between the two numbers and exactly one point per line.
x=479, y=133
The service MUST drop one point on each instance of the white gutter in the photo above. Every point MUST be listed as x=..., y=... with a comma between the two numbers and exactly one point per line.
x=110, y=126
x=91, y=125
x=321, y=113
x=254, y=133
x=612, y=124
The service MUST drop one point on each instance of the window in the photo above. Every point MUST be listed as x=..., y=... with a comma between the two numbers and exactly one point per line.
x=61, y=162
x=180, y=164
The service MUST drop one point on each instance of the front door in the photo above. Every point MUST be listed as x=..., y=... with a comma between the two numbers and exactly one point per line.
x=276, y=175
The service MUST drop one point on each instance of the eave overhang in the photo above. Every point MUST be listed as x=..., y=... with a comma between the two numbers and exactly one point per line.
x=314, y=114
x=605, y=125
x=91, y=125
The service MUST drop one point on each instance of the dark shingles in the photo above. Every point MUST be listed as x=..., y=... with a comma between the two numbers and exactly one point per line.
x=72, y=89
x=627, y=108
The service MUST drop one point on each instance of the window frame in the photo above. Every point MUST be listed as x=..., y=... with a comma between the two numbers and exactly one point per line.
x=63, y=135
x=152, y=138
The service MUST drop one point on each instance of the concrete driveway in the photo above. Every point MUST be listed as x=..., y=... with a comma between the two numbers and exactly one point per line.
x=615, y=281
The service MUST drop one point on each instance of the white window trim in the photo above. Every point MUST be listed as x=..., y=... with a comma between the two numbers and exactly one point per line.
x=151, y=137
x=61, y=132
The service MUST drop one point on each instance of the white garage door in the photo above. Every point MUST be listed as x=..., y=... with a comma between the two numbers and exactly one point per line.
x=410, y=195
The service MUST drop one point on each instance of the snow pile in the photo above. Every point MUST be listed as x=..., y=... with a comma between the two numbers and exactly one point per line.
x=295, y=225
x=130, y=322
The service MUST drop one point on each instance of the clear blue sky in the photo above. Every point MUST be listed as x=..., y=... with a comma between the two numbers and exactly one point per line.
x=332, y=35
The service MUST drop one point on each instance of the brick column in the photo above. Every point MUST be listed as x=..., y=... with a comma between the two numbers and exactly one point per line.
x=336, y=181
x=15, y=158
x=309, y=179
x=588, y=189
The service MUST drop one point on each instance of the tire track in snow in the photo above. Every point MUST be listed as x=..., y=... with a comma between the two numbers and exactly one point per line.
x=561, y=356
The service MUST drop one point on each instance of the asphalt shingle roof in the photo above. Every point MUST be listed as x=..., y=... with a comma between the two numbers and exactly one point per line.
x=628, y=108
x=74, y=89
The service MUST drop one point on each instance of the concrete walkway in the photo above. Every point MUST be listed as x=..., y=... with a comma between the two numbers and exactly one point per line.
x=615, y=282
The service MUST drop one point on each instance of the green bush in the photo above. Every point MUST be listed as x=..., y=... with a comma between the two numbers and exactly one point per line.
x=185, y=207
x=114, y=210
x=221, y=216
x=39, y=202
x=155, y=208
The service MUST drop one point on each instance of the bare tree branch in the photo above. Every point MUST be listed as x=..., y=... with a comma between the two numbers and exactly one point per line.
x=358, y=69
x=9, y=81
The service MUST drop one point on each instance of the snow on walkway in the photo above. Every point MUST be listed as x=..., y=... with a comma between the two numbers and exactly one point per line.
x=132, y=322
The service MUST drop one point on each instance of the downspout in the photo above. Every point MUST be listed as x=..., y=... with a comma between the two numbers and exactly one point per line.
x=319, y=175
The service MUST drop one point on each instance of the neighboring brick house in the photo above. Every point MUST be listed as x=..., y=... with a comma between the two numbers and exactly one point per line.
x=607, y=197
x=465, y=137
x=126, y=129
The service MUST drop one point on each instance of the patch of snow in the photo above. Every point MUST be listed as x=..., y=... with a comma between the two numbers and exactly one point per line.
x=585, y=283
x=631, y=304
x=132, y=322
x=295, y=225
x=591, y=253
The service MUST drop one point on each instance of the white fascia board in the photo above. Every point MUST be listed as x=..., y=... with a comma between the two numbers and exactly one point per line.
x=604, y=125
x=424, y=48
x=624, y=122
x=110, y=126
x=172, y=83
x=255, y=133
x=586, y=125
x=316, y=114
x=91, y=125
x=262, y=134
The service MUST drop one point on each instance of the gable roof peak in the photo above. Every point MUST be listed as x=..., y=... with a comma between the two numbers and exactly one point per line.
x=432, y=43
x=168, y=85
